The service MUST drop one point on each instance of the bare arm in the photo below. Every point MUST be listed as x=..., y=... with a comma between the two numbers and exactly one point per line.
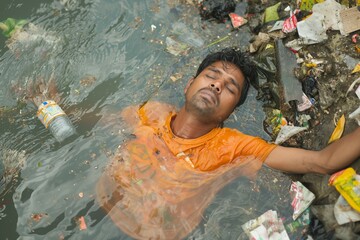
x=336, y=156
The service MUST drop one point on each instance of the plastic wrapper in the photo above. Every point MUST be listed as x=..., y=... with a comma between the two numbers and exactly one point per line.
x=277, y=26
x=302, y=221
x=267, y=226
x=344, y=213
x=271, y=13
x=330, y=9
x=312, y=28
x=348, y=186
x=339, y=129
x=290, y=24
x=355, y=38
x=277, y=120
x=306, y=104
x=302, y=198
x=287, y=132
x=236, y=20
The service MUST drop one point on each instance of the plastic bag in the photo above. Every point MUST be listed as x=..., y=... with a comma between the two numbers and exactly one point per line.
x=348, y=186
x=286, y=132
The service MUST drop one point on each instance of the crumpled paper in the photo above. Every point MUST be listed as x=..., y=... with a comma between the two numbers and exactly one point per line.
x=302, y=198
x=267, y=226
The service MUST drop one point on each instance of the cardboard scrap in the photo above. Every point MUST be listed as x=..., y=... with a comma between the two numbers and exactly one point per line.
x=350, y=19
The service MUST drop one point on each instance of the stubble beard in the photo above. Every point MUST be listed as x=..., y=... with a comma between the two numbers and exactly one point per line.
x=200, y=107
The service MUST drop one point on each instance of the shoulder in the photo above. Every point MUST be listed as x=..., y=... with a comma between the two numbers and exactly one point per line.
x=155, y=113
x=149, y=113
x=231, y=134
x=243, y=144
x=235, y=134
x=156, y=107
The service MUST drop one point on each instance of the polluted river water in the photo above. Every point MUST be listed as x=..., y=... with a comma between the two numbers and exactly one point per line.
x=105, y=55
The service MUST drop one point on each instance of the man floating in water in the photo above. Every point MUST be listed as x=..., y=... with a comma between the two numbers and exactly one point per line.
x=159, y=183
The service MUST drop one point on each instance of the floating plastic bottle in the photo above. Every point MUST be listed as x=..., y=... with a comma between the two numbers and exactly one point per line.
x=55, y=119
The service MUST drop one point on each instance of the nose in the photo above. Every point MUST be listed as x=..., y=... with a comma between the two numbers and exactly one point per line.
x=216, y=86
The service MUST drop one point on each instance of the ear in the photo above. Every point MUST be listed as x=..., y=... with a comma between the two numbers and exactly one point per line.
x=191, y=80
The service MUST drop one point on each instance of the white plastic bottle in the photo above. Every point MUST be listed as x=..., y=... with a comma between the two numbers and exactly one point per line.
x=55, y=119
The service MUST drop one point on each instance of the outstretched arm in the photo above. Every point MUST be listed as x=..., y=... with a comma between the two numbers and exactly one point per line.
x=332, y=158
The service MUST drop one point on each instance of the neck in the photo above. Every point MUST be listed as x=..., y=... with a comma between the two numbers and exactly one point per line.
x=186, y=125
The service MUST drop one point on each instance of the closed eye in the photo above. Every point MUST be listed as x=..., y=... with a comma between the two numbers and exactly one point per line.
x=210, y=76
x=230, y=89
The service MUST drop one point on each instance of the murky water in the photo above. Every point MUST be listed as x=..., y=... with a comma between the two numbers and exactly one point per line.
x=104, y=55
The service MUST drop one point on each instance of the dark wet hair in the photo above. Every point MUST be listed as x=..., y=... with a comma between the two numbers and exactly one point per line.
x=240, y=60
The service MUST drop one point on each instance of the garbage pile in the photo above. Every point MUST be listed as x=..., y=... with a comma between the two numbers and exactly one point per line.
x=308, y=56
x=312, y=73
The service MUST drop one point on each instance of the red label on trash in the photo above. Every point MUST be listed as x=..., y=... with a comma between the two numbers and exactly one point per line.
x=237, y=20
x=289, y=24
x=343, y=175
x=354, y=38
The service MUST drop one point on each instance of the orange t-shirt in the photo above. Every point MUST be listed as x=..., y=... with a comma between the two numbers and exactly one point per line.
x=208, y=152
x=158, y=185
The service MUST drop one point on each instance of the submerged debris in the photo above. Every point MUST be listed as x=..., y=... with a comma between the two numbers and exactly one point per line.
x=10, y=26
x=11, y=162
x=216, y=9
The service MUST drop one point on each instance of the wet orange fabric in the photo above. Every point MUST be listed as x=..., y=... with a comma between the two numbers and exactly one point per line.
x=158, y=185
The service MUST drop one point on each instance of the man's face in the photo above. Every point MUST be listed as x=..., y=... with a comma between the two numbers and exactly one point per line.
x=214, y=93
